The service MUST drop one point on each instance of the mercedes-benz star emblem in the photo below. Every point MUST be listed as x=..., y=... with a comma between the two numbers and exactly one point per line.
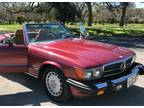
x=123, y=66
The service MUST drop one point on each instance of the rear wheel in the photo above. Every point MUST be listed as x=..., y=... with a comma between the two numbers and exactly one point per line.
x=56, y=86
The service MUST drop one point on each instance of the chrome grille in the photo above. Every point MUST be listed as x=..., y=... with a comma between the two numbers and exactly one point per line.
x=117, y=67
x=129, y=61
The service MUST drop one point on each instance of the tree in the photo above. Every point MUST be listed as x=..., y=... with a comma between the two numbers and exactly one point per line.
x=116, y=7
x=13, y=8
x=124, y=6
x=20, y=19
x=17, y=7
x=89, y=13
x=65, y=11
x=80, y=11
x=101, y=14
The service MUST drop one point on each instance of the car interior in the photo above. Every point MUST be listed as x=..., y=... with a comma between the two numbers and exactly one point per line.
x=19, y=38
x=43, y=34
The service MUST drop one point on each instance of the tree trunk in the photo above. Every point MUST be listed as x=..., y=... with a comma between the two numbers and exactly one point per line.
x=122, y=19
x=89, y=13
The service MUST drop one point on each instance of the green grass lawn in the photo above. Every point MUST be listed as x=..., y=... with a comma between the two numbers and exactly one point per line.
x=11, y=28
x=112, y=30
x=96, y=30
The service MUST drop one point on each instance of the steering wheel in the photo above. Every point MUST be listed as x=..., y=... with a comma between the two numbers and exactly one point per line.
x=47, y=35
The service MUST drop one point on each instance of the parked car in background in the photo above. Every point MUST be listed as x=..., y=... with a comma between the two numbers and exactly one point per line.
x=68, y=66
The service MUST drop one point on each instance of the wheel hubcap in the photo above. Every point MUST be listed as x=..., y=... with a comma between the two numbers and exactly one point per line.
x=53, y=84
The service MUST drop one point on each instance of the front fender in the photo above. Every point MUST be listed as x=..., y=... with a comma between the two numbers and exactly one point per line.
x=55, y=64
x=45, y=65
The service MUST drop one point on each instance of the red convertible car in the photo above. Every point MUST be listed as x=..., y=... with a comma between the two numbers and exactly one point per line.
x=68, y=66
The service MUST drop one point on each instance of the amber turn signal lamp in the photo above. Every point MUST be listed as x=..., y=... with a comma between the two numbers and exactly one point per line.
x=79, y=73
x=101, y=92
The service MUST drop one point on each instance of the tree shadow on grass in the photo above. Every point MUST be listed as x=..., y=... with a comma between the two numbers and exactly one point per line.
x=126, y=97
x=125, y=42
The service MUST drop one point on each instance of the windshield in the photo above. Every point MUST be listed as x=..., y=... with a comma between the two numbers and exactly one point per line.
x=47, y=32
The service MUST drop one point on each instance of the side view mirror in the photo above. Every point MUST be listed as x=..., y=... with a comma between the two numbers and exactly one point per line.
x=84, y=35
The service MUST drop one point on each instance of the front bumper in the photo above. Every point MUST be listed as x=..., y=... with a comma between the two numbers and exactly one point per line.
x=84, y=89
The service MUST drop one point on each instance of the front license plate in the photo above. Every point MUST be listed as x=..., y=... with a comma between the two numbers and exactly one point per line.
x=131, y=80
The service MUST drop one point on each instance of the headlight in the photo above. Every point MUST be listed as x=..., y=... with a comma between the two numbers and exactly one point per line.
x=89, y=74
x=94, y=73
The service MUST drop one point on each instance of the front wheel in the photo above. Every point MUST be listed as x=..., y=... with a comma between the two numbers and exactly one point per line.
x=56, y=86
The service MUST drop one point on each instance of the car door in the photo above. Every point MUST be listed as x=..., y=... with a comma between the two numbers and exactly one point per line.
x=13, y=58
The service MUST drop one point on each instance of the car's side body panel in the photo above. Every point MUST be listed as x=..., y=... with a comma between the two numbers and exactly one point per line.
x=13, y=58
x=37, y=60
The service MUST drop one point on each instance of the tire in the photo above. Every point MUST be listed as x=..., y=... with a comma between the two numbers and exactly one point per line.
x=55, y=85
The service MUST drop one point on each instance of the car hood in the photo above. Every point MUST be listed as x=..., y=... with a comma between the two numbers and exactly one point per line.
x=84, y=53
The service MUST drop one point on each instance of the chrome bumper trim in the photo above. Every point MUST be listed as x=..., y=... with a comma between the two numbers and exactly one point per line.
x=78, y=84
x=134, y=71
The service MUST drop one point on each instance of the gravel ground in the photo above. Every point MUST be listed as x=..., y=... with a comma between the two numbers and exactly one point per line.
x=21, y=89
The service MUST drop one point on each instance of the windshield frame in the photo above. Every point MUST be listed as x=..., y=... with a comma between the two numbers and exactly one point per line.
x=26, y=37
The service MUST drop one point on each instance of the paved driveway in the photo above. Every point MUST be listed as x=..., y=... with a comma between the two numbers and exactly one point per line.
x=21, y=89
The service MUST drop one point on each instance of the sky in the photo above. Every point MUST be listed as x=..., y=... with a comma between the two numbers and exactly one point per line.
x=139, y=5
